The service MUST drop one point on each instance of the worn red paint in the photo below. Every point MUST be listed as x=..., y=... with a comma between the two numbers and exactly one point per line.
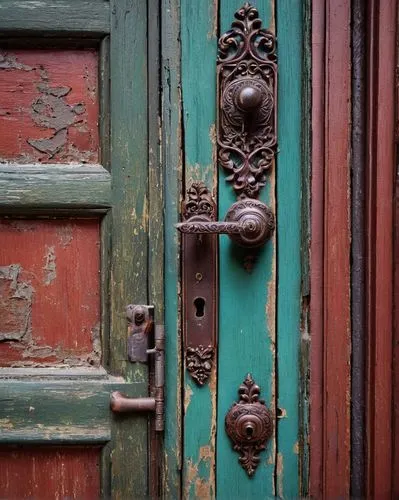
x=49, y=473
x=49, y=284
x=330, y=252
x=49, y=106
x=379, y=263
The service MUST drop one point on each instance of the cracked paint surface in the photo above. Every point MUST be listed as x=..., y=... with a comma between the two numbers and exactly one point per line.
x=49, y=106
x=49, y=293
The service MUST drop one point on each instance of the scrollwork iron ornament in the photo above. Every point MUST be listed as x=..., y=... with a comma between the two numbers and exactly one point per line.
x=247, y=79
x=199, y=362
x=249, y=425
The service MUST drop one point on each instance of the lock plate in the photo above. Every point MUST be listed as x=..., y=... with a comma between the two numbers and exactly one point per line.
x=199, y=273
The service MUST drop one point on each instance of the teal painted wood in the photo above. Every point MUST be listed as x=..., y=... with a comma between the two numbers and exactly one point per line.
x=54, y=186
x=289, y=33
x=83, y=18
x=129, y=266
x=247, y=325
x=199, y=49
x=172, y=167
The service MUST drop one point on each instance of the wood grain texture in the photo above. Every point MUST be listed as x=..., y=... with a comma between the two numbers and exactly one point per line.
x=50, y=473
x=316, y=251
x=74, y=18
x=42, y=286
x=49, y=106
x=172, y=165
x=337, y=343
x=41, y=187
x=247, y=329
x=54, y=409
x=199, y=48
x=288, y=168
x=129, y=267
x=379, y=216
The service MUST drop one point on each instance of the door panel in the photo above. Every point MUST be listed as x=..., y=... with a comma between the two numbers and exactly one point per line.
x=74, y=191
x=41, y=287
x=49, y=102
x=260, y=293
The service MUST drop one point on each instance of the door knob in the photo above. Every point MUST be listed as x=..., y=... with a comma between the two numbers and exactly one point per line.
x=246, y=146
x=249, y=222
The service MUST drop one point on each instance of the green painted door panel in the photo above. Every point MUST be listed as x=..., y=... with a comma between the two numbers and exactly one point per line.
x=259, y=291
x=71, y=406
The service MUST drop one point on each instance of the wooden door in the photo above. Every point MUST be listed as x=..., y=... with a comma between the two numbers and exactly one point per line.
x=79, y=234
x=260, y=292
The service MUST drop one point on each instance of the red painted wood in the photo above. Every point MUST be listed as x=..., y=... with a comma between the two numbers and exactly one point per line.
x=330, y=252
x=395, y=486
x=337, y=341
x=49, y=292
x=316, y=250
x=49, y=106
x=50, y=473
x=380, y=188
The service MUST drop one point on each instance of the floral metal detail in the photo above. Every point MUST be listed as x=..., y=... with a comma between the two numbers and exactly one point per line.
x=249, y=425
x=199, y=203
x=247, y=75
x=199, y=362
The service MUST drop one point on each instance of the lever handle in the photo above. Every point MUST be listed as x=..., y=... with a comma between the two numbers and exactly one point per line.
x=250, y=223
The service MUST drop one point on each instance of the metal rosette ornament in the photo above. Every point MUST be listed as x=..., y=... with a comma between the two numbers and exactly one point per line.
x=247, y=111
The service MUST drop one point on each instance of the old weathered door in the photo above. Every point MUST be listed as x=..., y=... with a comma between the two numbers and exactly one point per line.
x=260, y=291
x=79, y=234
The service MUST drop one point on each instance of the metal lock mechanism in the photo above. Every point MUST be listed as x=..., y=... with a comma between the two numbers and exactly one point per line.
x=246, y=147
x=141, y=326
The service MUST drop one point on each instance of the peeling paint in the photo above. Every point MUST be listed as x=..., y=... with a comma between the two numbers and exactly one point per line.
x=188, y=392
x=280, y=475
x=15, y=303
x=8, y=61
x=50, y=268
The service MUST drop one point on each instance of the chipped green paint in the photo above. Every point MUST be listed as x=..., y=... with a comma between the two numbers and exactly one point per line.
x=172, y=166
x=199, y=42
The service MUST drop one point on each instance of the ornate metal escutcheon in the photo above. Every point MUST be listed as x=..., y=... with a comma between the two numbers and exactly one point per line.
x=246, y=143
x=246, y=128
x=249, y=425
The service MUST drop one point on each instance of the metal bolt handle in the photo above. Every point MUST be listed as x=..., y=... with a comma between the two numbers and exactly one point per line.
x=250, y=223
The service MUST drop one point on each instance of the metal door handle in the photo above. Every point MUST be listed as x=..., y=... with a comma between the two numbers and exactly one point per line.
x=141, y=322
x=250, y=223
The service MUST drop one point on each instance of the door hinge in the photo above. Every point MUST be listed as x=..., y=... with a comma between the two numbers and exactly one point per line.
x=141, y=329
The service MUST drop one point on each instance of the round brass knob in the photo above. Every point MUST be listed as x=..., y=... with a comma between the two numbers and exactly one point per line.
x=249, y=98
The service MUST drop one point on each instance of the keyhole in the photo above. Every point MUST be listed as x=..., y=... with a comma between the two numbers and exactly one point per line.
x=249, y=431
x=199, y=304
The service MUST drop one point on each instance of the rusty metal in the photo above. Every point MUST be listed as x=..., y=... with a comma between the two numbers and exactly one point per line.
x=249, y=223
x=249, y=425
x=141, y=324
x=199, y=273
x=247, y=104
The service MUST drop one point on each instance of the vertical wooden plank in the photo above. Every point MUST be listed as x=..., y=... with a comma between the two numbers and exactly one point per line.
x=199, y=49
x=379, y=282
x=305, y=346
x=155, y=229
x=288, y=169
x=336, y=394
x=129, y=161
x=172, y=165
x=316, y=251
x=246, y=324
x=358, y=297
x=330, y=251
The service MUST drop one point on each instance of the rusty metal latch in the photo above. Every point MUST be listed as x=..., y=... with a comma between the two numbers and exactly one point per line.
x=141, y=327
